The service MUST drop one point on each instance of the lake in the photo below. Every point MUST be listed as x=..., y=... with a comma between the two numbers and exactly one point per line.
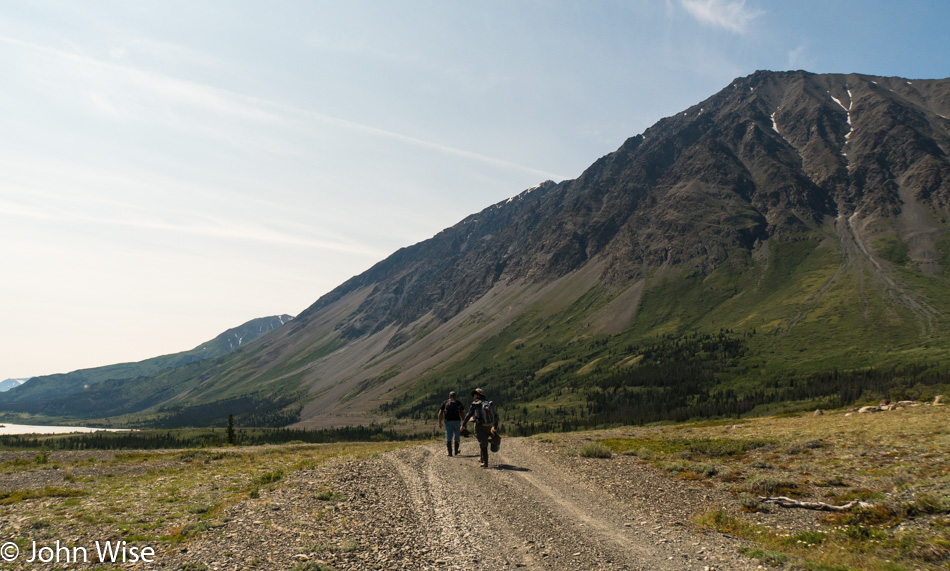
x=8, y=428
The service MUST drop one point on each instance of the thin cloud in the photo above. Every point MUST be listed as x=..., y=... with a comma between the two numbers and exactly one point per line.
x=733, y=16
x=246, y=107
x=79, y=209
x=208, y=227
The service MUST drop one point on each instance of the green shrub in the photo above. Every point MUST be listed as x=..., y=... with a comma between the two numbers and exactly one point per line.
x=269, y=478
x=645, y=453
x=706, y=470
x=928, y=504
x=328, y=496
x=595, y=450
x=14, y=496
x=723, y=447
x=749, y=503
x=769, y=485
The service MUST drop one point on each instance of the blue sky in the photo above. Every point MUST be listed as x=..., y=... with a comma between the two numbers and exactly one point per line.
x=172, y=169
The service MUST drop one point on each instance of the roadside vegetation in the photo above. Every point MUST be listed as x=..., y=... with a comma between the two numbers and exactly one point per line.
x=147, y=498
x=897, y=462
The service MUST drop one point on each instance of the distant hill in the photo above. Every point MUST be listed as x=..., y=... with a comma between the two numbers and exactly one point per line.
x=10, y=383
x=784, y=241
x=53, y=394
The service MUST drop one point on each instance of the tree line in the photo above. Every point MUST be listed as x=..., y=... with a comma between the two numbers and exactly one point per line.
x=674, y=379
x=191, y=438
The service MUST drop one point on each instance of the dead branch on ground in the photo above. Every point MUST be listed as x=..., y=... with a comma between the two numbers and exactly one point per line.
x=786, y=502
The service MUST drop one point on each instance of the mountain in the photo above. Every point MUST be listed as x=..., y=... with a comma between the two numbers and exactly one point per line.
x=8, y=384
x=56, y=394
x=800, y=217
x=783, y=241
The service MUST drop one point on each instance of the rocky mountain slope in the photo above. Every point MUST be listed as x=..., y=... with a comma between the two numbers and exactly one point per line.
x=811, y=208
x=783, y=240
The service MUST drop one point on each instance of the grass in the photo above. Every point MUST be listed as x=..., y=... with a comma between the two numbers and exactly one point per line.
x=686, y=447
x=595, y=450
x=897, y=461
x=16, y=496
x=153, y=498
x=329, y=496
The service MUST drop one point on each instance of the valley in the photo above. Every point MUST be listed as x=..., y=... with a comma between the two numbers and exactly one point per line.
x=668, y=496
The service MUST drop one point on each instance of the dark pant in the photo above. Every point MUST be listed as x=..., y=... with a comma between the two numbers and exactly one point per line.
x=483, y=435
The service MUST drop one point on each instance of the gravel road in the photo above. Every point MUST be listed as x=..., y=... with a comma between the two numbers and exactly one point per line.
x=416, y=508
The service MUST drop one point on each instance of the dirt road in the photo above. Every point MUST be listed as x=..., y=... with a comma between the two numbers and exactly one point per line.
x=416, y=508
x=535, y=511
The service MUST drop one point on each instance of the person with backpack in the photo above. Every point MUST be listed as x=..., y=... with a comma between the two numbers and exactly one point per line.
x=486, y=423
x=451, y=415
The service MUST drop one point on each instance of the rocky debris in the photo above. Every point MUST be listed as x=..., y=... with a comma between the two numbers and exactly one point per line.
x=534, y=508
x=886, y=405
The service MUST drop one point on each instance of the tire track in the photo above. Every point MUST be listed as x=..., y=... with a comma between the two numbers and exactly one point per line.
x=446, y=494
x=529, y=512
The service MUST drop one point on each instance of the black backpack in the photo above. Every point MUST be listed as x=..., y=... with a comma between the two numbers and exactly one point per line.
x=455, y=406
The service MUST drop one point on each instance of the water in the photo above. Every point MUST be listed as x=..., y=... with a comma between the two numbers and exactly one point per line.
x=8, y=428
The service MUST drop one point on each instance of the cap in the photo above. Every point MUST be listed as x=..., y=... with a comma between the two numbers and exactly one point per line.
x=451, y=393
x=478, y=392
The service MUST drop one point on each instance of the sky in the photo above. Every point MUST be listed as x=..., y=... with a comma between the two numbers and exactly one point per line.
x=171, y=169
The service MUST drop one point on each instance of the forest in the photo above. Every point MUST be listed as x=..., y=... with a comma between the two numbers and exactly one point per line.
x=667, y=379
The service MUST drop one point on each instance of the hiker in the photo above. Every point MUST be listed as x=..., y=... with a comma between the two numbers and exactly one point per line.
x=451, y=415
x=486, y=423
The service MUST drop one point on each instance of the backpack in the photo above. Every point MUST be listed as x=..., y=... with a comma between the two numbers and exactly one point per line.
x=453, y=408
x=487, y=412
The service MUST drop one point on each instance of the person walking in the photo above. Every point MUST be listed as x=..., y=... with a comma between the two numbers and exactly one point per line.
x=450, y=415
x=486, y=423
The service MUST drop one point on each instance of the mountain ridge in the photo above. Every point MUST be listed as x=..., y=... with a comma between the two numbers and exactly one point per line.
x=39, y=391
x=767, y=244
